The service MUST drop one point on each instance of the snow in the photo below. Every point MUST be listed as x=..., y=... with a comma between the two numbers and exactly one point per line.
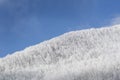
x=92, y=54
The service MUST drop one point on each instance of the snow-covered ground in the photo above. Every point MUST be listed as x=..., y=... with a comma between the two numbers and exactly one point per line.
x=92, y=54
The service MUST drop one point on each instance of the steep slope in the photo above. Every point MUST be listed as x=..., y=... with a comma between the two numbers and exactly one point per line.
x=92, y=54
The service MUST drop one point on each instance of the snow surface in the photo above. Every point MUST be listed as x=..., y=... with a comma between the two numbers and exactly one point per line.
x=92, y=54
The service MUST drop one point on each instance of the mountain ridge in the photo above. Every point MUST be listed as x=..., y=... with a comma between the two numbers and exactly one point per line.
x=77, y=55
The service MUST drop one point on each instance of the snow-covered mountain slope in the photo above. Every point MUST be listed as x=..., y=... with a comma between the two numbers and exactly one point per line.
x=92, y=54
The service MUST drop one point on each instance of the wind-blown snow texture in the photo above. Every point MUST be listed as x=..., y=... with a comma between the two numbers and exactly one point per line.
x=92, y=54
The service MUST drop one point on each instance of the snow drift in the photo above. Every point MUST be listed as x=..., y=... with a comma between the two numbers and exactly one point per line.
x=92, y=54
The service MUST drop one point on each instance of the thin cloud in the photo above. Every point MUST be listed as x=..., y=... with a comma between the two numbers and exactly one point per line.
x=115, y=20
x=25, y=26
x=3, y=1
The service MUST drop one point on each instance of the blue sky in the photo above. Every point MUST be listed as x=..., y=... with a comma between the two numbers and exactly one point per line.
x=28, y=22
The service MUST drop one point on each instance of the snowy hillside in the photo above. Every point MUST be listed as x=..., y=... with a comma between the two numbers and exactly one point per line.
x=92, y=54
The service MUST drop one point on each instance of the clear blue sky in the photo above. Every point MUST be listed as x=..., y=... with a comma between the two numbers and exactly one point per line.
x=28, y=22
